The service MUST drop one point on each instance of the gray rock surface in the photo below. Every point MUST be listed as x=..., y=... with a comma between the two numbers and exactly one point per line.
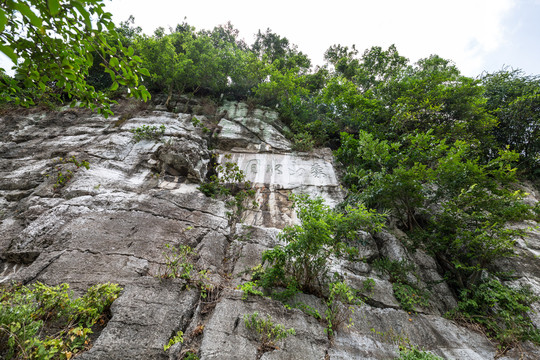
x=113, y=221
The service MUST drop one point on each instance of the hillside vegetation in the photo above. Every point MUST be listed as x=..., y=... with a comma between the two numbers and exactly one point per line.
x=438, y=153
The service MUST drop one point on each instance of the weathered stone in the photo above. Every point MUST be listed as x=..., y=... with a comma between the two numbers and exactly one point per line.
x=441, y=297
x=226, y=336
x=184, y=158
x=145, y=317
x=376, y=334
x=379, y=292
x=113, y=222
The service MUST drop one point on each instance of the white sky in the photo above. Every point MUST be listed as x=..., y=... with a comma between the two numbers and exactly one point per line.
x=477, y=35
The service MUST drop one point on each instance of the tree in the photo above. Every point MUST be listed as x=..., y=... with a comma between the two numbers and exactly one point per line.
x=52, y=42
x=514, y=99
x=433, y=94
x=169, y=67
x=376, y=65
x=277, y=50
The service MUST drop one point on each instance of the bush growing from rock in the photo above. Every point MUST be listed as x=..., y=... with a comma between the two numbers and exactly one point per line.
x=414, y=353
x=64, y=173
x=408, y=293
x=303, y=262
x=268, y=332
x=43, y=322
x=180, y=264
x=503, y=312
x=148, y=132
x=230, y=183
x=340, y=307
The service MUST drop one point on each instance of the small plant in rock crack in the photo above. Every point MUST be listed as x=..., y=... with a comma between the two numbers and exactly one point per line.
x=180, y=264
x=196, y=123
x=148, y=132
x=63, y=173
x=177, y=338
x=249, y=288
x=230, y=183
x=268, y=332
x=407, y=351
x=368, y=285
x=190, y=356
x=340, y=307
x=415, y=353
x=306, y=309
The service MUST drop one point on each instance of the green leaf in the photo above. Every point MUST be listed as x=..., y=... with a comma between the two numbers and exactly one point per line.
x=131, y=51
x=144, y=72
x=54, y=6
x=84, y=13
x=114, y=86
x=114, y=62
x=3, y=20
x=8, y=51
x=89, y=59
x=29, y=14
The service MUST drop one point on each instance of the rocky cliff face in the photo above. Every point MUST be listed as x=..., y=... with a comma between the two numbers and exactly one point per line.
x=111, y=223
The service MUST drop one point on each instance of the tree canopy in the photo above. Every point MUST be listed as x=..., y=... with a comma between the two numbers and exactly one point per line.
x=53, y=44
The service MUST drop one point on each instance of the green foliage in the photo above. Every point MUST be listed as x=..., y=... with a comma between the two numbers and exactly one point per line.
x=52, y=43
x=268, y=332
x=307, y=309
x=190, y=356
x=45, y=322
x=514, y=99
x=410, y=296
x=179, y=262
x=249, y=288
x=302, y=262
x=177, y=338
x=501, y=311
x=375, y=67
x=277, y=50
x=227, y=173
x=470, y=233
x=63, y=174
x=474, y=198
x=229, y=183
x=414, y=353
x=148, y=132
x=432, y=95
x=407, y=292
x=397, y=270
x=303, y=142
x=368, y=285
x=340, y=307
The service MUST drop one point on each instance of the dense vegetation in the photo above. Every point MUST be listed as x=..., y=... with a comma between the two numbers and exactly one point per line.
x=438, y=151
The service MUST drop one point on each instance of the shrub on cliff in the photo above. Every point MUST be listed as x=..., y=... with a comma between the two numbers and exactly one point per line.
x=45, y=322
x=303, y=261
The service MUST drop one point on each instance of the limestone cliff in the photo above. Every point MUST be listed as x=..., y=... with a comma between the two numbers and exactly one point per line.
x=111, y=223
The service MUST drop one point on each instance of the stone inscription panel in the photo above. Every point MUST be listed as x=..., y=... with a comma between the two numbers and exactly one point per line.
x=285, y=170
